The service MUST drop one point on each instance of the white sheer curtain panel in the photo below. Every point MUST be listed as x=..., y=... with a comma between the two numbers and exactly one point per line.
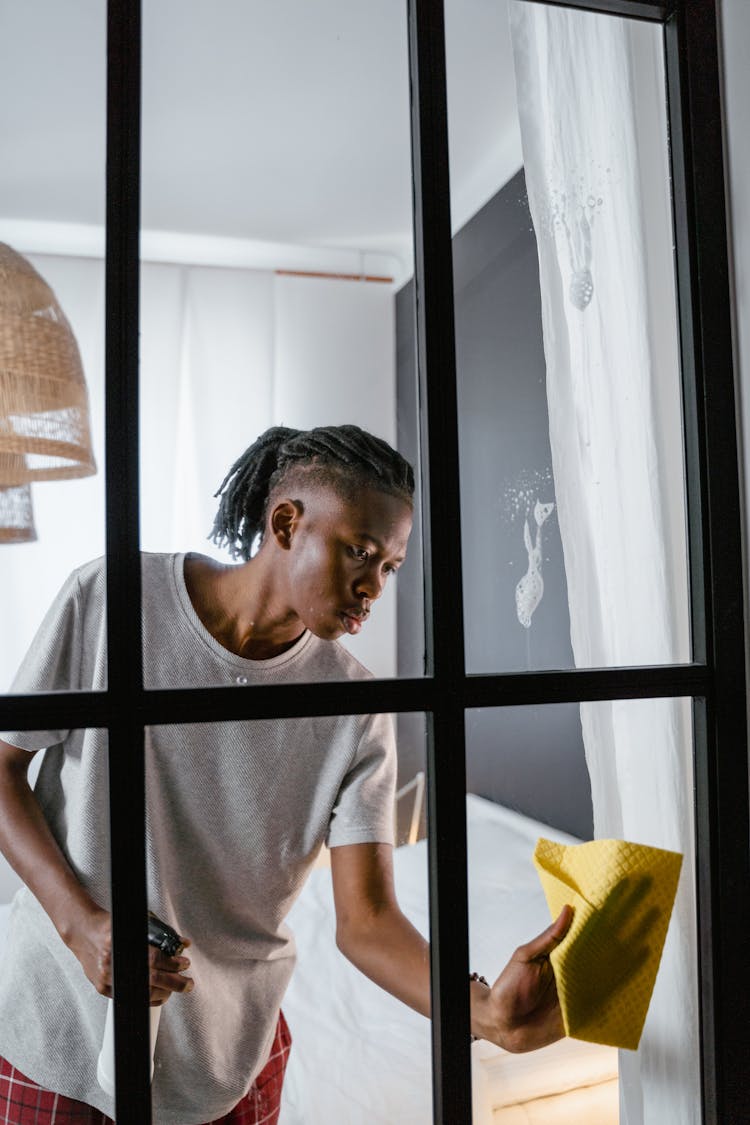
x=207, y=344
x=592, y=114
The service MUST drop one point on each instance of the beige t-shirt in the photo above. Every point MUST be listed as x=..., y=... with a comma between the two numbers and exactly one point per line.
x=236, y=813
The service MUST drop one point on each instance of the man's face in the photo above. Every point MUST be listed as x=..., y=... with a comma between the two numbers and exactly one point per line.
x=341, y=553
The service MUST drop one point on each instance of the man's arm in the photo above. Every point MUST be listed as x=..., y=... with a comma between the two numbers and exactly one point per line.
x=32, y=851
x=520, y=1012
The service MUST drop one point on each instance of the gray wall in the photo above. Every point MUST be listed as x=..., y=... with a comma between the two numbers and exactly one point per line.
x=530, y=759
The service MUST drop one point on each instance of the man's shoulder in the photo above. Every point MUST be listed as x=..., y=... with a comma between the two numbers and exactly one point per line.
x=156, y=565
x=96, y=569
x=89, y=580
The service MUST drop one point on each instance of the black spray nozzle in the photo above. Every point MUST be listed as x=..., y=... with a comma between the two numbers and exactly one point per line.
x=163, y=936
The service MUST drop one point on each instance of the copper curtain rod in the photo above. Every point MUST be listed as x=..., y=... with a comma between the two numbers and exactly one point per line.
x=335, y=276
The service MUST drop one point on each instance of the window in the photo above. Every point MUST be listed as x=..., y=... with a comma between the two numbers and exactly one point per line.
x=714, y=678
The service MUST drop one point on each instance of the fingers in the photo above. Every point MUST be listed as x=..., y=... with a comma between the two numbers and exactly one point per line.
x=91, y=942
x=101, y=978
x=637, y=961
x=542, y=945
x=166, y=975
x=645, y=925
x=159, y=960
x=164, y=984
x=562, y=923
x=638, y=948
x=624, y=900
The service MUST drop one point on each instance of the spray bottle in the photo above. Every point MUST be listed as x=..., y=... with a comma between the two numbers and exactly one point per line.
x=161, y=935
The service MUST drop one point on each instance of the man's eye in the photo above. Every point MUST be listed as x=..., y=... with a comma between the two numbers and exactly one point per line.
x=360, y=553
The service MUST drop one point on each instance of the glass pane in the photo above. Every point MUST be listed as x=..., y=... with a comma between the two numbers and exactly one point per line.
x=573, y=497
x=572, y=774
x=52, y=991
x=376, y=1050
x=240, y=816
x=52, y=188
x=277, y=231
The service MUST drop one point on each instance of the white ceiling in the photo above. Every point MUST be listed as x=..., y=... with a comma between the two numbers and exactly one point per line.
x=280, y=120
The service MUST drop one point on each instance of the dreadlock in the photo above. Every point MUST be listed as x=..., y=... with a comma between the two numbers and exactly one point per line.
x=343, y=456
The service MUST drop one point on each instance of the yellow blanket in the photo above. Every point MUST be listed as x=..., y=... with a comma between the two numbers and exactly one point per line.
x=605, y=967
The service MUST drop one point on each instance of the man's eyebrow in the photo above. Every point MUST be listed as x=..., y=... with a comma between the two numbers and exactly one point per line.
x=362, y=534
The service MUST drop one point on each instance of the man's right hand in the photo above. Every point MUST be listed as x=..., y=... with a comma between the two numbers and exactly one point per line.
x=91, y=942
x=29, y=846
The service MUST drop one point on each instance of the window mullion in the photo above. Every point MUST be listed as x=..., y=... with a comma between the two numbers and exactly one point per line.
x=124, y=671
x=715, y=521
x=446, y=775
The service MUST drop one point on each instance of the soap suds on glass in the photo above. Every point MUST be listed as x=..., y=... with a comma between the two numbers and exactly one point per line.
x=570, y=211
x=521, y=500
x=530, y=588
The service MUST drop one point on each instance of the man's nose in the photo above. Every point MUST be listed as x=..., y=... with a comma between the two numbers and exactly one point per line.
x=371, y=583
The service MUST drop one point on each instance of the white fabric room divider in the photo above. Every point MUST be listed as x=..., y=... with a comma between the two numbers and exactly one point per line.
x=591, y=105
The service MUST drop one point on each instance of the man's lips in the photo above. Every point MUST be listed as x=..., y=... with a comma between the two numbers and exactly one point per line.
x=353, y=621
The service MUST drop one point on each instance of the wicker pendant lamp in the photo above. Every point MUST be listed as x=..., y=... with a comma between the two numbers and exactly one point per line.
x=16, y=515
x=44, y=417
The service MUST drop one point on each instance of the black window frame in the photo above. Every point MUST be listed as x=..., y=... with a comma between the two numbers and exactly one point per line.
x=715, y=679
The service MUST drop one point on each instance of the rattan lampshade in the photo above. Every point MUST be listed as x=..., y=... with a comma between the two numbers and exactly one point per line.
x=44, y=416
x=16, y=515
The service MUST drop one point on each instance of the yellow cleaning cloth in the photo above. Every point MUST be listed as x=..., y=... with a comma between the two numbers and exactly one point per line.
x=605, y=967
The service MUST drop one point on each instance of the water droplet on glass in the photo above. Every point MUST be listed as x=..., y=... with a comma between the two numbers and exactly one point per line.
x=581, y=289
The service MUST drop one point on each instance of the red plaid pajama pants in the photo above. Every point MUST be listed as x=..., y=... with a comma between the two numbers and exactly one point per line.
x=23, y=1102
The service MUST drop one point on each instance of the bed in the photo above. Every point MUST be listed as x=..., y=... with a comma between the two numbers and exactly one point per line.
x=361, y=1058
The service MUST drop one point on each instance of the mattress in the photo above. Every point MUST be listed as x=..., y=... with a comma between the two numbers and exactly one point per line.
x=360, y=1057
x=588, y=1105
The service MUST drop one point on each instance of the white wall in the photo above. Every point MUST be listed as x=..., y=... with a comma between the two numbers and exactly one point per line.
x=734, y=18
x=335, y=362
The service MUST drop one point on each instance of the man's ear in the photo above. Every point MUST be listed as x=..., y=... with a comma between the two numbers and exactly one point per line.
x=283, y=522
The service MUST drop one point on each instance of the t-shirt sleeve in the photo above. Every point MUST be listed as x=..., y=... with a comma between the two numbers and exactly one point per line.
x=364, y=808
x=52, y=662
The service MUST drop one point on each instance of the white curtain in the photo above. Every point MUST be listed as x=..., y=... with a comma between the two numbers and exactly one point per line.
x=592, y=113
x=206, y=388
x=224, y=353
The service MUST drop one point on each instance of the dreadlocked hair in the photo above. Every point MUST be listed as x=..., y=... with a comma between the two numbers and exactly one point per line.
x=345, y=457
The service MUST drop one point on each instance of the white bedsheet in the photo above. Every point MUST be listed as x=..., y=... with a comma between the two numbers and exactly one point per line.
x=359, y=1057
